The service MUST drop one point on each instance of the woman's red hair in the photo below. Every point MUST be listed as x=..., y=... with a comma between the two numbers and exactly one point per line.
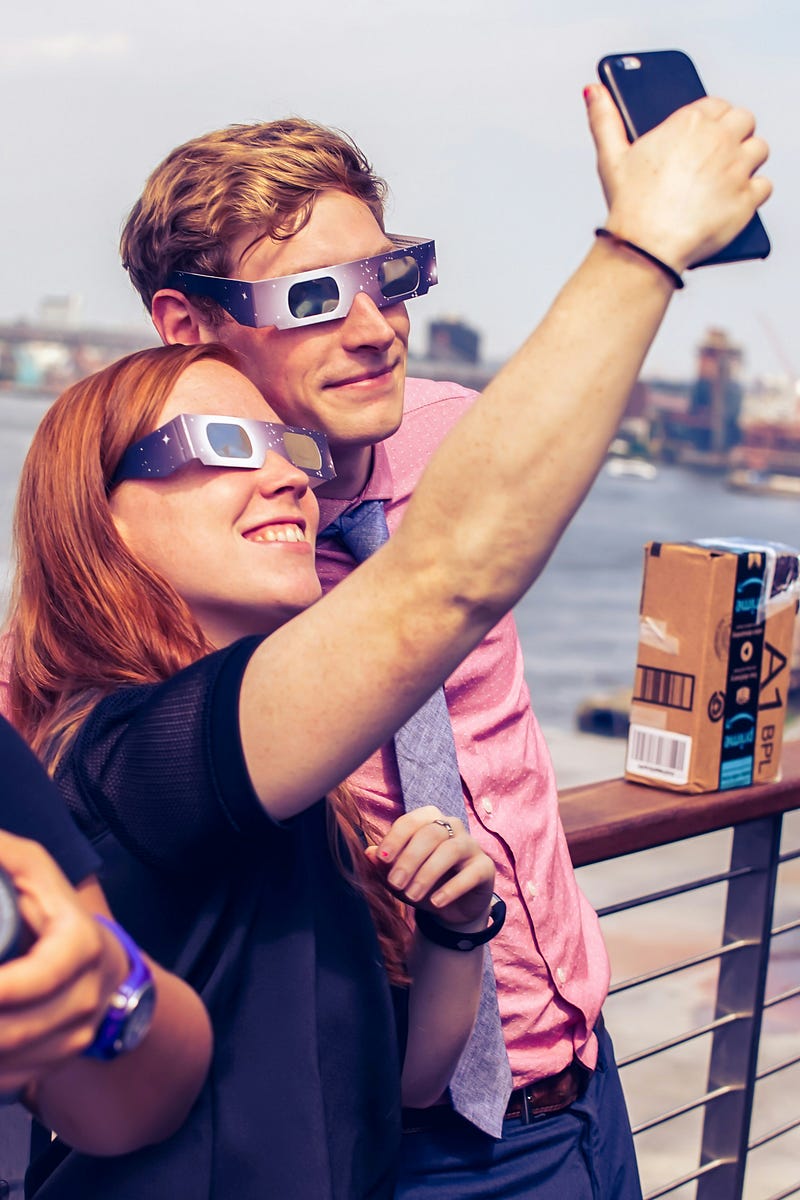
x=86, y=616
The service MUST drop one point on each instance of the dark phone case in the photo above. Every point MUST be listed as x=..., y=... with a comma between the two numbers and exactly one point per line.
x=645, y=96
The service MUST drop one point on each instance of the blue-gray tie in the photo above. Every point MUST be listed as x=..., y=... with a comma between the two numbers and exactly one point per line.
x=428, y=770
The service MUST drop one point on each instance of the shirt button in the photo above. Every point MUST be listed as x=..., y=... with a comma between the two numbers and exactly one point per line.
x=562, y=974
x=530, y=888
x=486, y=804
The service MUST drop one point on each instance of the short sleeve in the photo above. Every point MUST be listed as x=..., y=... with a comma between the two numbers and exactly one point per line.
x=32, y=808
x=163, y=769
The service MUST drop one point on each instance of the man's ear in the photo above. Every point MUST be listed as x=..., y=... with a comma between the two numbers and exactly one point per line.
x=177, y=321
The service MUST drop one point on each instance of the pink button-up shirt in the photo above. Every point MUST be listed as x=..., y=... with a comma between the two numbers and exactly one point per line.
x=550, y=962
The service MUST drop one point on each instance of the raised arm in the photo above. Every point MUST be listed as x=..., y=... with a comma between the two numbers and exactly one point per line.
x=52, y=999
x=505, y=483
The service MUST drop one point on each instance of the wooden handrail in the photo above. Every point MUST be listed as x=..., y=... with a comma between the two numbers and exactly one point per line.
x=604, y=820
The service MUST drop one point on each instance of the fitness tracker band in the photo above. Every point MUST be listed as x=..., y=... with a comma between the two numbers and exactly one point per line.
x=454, y=939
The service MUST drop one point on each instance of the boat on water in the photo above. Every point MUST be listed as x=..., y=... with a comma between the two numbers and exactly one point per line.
x=630, y=467
x=762, y=483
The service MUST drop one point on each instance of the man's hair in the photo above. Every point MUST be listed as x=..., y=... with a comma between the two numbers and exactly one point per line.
x=261, y=179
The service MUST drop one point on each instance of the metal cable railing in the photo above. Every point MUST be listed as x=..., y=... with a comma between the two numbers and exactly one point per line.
x=720, y=1114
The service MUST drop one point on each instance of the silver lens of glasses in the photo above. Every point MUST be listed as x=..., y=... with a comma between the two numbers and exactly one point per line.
x=399, y=276
x=302, y=450
x=228, y=441
x=313, y=297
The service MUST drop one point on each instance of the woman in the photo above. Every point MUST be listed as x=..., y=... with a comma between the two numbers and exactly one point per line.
x=139, y=678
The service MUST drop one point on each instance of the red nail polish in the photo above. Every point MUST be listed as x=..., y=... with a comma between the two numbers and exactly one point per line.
x=587, y=93
x=384, y=853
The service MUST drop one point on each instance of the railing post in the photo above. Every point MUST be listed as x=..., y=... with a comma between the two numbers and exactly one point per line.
x=740, y=989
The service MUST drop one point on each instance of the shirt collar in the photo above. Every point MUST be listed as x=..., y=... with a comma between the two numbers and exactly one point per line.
x=379, y=486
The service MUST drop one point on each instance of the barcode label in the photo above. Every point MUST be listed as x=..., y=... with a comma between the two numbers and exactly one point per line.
x=670, y=689
x=658, y=755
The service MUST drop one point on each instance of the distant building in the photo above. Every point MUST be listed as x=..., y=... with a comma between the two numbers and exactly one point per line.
x=48, y=354
x=452, y=340
x=699, y=421
x=717, y=393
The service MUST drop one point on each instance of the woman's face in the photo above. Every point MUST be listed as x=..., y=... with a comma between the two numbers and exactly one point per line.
x=237, y=544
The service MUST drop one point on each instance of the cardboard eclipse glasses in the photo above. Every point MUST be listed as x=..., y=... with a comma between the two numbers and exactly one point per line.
x=325, y=294
x=224, y=442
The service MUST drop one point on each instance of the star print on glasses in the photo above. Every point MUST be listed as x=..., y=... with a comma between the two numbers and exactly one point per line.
x=325, y=294
x=224, y=442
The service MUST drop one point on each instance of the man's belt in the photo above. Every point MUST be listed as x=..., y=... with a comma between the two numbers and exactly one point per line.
x=538, y=1099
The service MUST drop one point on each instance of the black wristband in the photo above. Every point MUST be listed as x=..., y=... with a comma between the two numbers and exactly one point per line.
x=453, y=939
x=669, y=271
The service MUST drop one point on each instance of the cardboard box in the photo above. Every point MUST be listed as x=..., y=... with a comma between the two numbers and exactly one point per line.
x=716, y=624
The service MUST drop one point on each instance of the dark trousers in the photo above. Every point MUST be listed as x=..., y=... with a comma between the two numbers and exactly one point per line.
x=583, y=1153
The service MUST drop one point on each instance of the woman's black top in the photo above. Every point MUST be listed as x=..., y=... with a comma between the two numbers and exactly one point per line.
x=302, y=1100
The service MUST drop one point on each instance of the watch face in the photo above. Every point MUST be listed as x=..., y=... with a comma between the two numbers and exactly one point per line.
x=130, y=1009
x=139, y=1017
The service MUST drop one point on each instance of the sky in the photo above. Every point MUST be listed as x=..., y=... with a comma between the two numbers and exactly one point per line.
x=472, y=111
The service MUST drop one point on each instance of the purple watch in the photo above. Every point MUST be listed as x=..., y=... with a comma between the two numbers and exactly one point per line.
x=130, y=1009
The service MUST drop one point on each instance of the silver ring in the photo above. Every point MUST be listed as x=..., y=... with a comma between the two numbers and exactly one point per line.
x=445, y=825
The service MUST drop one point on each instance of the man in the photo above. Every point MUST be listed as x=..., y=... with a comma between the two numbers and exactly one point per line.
x=264, y=202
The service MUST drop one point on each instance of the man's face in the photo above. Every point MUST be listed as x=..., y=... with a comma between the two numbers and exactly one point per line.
x=344, y=377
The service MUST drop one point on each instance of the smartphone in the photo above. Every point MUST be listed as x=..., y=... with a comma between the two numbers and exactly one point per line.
x=646, y=87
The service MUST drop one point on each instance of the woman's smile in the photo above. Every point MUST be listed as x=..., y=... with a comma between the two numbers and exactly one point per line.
x=276, y=533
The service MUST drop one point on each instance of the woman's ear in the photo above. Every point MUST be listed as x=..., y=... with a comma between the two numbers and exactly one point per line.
x=177, y=321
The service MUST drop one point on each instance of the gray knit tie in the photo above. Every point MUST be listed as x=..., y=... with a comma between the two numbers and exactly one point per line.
x=429, y=774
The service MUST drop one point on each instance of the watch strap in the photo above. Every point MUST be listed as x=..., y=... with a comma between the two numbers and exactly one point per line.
x=128, y=998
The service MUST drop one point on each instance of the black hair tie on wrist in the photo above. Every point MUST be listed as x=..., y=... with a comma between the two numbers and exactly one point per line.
x=452, y=939
x=669, y=271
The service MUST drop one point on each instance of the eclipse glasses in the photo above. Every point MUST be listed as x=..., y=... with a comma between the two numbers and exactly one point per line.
x=224, y=442
x=325, y=294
